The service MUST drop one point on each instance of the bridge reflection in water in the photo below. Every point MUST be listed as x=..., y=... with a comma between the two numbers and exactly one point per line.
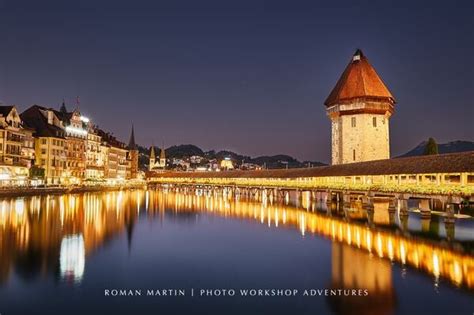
x=55, y=234
x=440, y=259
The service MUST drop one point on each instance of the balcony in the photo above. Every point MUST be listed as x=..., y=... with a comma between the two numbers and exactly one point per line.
x=15, y=138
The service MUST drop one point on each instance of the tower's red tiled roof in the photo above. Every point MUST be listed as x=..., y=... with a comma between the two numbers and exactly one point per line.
x=359, y=80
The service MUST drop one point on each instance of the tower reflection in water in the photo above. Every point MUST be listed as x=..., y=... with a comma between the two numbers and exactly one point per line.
x=54, y=235
x=352, y=269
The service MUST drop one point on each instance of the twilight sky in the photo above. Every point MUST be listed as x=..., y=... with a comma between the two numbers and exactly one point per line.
x=249, y=76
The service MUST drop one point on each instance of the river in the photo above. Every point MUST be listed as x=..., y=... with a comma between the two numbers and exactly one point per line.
x=168, y=252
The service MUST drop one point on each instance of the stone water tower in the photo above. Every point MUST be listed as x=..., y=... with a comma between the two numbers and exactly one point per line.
x=360, y=106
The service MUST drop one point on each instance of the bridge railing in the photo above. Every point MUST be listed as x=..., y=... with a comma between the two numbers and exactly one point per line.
x=457, y=184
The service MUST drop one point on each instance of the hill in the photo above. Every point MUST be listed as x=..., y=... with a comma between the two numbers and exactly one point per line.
x=185, y=151
x=449, y=147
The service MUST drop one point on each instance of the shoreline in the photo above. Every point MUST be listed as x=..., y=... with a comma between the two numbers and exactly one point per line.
x=31, y=191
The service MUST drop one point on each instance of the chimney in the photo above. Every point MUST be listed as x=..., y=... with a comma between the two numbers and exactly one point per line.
x=50, y=117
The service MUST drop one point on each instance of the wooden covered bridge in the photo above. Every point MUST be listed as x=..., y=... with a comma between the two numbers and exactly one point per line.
x=447, y=178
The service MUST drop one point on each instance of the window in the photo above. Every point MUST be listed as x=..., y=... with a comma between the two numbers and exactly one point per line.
x=43, y=141
x=353, y=121
x=354, y=154
x=374, y=121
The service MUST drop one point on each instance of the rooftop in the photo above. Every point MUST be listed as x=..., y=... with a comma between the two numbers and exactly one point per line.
x=428, y=164
x=359, y=80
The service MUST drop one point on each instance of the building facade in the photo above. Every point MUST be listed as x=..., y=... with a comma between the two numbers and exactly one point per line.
x=76, y=131
x=49, y=142
x=115, y=157
x=359, y=106
x=95, y=157
x=16, y=147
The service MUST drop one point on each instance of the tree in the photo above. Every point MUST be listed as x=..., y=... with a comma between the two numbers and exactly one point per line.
x=431, y=147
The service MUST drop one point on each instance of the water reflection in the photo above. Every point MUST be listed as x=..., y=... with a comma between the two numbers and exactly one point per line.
x=72, y=258
x=55, y=234
x=439, y=259
x=351, y=268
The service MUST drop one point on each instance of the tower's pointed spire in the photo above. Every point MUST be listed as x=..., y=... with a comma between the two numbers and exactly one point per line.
x=63, y=108
x=131, y=143
x=162, y=152
x=152, y=152
x=357, y=55
x=359, y=81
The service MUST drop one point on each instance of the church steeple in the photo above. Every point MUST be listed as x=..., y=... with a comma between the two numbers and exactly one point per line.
x=152, y=158
x=131, y=143
x=63, y=109
x=152, y=152
x=133, y=155
x=163, y=154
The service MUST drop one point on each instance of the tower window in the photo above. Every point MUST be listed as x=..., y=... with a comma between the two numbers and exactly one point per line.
x=374, y=121
x=353, y=121
x=354, y=154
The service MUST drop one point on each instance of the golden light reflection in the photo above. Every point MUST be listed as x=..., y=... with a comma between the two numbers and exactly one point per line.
x=41, y=224
x=439, y=260
x=61, y=228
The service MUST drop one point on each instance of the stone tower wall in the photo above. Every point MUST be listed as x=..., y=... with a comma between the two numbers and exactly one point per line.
x=361, y=136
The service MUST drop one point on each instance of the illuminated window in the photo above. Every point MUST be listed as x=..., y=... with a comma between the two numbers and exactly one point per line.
x=374, y=121
x=353, y=121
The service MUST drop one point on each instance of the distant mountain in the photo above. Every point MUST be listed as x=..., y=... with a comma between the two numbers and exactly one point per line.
x=450, y=147
x=188, y=150
x=182, y=151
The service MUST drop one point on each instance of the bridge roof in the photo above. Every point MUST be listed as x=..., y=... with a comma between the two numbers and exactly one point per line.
x=359, y=80
x=429, y=164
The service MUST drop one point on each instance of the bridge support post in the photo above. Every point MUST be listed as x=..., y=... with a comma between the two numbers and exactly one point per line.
x=298, y=198
x=403, y=207
x=425, y=211
x=392, y=209
x=346, y=205
x=368, y=205
x=346, y=200
x=403, y=213
x=319, y=195
x=328, y=198
x=449, y=220
x=449, y=209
